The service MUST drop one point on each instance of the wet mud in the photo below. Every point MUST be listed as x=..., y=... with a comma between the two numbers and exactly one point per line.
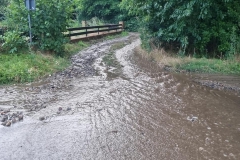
x=95, y=111
x=221, y=82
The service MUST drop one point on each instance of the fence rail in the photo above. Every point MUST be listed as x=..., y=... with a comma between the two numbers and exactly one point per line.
x=92, y=31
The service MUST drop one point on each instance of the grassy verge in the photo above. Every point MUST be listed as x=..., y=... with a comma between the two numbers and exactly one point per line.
x=18, y=68
x=73, y=48
x=123, y=34
x=28, y=67
x=200, y=65
x=211, y=66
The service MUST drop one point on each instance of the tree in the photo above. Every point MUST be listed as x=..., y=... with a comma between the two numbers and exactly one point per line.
x=107, y=10
x=208, y=26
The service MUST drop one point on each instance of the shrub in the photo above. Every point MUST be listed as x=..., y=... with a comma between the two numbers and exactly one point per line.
x=49, y=22
x=13, y=42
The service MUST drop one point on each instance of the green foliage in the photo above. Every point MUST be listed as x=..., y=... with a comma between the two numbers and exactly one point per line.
x=19, y=68
x=16, y=16
x=13, y=42
x=107, y=10
x=192, y=25
x=49, y=22
x=3, y=6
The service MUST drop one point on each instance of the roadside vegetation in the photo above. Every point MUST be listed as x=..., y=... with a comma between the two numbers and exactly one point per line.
x=50, y=51
x=176, y=63
x=190, y=35
x=28, y=65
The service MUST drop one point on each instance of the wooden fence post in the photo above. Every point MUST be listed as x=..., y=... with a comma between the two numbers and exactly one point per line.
x=122, y=23
x=84, y=23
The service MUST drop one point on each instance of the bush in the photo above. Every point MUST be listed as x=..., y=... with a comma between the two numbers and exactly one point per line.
x=49, y=22
x=210, y=27
x=13, y=42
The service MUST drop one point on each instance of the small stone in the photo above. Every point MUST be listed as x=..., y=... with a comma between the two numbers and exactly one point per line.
x=8, y=123
x=58, y=112
x=200, y=148
x=20, y=117
x=60, y=108
x=69, y=108
x=41, y=118
x=7, y=110
x=14, y=115
x=14, y=120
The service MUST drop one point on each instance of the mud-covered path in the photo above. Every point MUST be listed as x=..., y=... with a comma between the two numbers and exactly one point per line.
x=90, y=112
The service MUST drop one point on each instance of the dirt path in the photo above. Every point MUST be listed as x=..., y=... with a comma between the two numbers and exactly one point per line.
x=90, y=111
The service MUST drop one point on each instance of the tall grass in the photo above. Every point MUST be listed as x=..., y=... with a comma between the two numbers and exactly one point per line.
x=201, y=65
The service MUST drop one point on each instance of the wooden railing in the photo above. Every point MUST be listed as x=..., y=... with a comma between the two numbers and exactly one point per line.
x=91, y=31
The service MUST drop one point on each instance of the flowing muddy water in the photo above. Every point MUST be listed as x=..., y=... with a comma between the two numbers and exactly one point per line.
x=91, y=112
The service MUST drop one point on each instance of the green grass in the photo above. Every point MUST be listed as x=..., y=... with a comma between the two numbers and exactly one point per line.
x=28, y=67
x=211, y=66
x=19, y=68
x=110, y=37
x=73, y=48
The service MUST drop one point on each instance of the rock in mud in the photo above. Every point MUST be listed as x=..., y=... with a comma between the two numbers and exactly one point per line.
x=8, y=124
x=42, y=118
x=20, y=117
x=14, y=120
x=7, y=110
x=4, y=118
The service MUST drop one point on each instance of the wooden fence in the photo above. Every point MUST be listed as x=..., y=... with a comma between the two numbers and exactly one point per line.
x=81, y=33
x=93, y=31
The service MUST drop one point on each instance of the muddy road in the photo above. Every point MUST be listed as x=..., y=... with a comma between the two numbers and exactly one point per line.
x=135, y=111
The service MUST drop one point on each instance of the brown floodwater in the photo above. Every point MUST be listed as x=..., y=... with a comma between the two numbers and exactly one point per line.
x=143, y=112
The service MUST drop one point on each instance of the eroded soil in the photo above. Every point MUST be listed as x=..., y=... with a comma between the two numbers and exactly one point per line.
x=134, y=110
